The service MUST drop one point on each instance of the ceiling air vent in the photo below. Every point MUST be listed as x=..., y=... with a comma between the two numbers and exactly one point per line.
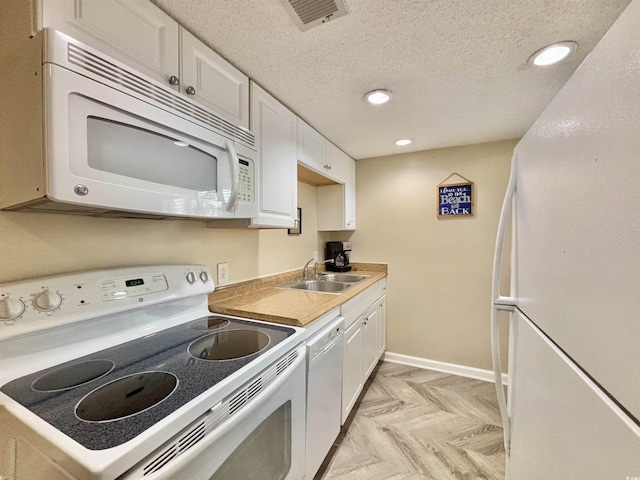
x=310, y=13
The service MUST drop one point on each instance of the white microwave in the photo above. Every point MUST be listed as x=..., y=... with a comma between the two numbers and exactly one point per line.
x=117, y=143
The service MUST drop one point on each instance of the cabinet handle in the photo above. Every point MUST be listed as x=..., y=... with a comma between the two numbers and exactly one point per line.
x=173, y=80
x=191, y=90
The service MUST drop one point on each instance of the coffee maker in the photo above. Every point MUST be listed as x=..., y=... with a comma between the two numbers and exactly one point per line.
x=339, y=253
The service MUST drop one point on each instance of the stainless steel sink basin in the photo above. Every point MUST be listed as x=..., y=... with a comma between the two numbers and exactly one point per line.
x=342, y=277
x=314, y=285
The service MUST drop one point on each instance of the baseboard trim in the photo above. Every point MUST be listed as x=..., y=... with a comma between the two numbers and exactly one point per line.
x=451, y=368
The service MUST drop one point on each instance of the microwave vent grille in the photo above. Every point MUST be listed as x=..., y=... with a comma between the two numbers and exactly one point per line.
x=163, y=96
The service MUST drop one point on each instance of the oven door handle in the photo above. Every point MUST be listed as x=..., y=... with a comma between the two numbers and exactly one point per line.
x=235, y=176
x=172, y=469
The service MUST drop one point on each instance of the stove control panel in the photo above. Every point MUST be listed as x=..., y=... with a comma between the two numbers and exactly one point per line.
x=43, y=303
x=120, y=288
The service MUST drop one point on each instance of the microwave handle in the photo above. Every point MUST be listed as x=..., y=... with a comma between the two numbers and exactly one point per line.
x=235, y=174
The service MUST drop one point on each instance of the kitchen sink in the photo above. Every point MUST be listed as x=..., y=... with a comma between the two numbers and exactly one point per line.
x=342, y=277
x=317, y=285
x=321, y=286
x=335, y=283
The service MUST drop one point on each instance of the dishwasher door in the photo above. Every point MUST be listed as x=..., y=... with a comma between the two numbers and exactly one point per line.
x=325, y=354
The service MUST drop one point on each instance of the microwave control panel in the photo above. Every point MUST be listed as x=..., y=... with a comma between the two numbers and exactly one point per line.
x=246, y=182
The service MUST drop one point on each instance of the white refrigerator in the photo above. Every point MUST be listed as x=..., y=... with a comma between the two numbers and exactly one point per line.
x=572, y=407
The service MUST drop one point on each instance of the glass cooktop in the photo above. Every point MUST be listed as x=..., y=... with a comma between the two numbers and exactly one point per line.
x=109, y=397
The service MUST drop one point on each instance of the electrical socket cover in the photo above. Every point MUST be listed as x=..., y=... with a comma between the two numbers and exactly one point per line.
x=223, y=273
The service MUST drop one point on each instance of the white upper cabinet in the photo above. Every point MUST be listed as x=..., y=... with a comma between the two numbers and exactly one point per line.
x=337, y=203
x=320, y=155
x=276, y=137
x=335, y=162
x=212, y=81
x=311, y=148
x=135, y=32
x=139, y=34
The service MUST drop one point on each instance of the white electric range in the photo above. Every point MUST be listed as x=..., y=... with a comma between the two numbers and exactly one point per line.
x=125, y=374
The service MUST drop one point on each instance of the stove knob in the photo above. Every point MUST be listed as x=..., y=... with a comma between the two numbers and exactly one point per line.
x=11, y=308
x=204, y=277
x=191, y=277
x=47, y=301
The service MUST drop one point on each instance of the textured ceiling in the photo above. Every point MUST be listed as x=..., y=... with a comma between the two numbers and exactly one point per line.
x=457, y=68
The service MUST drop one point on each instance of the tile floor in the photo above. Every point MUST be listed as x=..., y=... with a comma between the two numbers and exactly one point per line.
x=412, y=424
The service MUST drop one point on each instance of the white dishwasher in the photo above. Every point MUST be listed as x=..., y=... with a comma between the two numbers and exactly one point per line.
x=325, y=354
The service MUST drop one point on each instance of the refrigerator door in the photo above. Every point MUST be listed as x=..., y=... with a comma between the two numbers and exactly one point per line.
x=577, y=216
x=563, y=426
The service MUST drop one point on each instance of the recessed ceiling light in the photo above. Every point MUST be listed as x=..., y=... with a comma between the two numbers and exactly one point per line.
x=378, y=97
x=403, y=141
x=552, y=54
x=180, y=143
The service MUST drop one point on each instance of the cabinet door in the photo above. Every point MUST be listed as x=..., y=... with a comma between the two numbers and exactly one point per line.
x=210, y=80
x=371, y=327
x=382, y=326
x=135, y=32
x=353, y=367
x=276, y=137
x=331, y=203
x=337, y=203
x=335, y=162
x=311, y=148
x=350, y=194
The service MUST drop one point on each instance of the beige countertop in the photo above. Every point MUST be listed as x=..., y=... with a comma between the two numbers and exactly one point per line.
x=260, y=299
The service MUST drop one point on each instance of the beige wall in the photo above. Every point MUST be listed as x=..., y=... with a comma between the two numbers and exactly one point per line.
x=439, y=285
x=440, y=270
x=279, y=251
x=34, y=244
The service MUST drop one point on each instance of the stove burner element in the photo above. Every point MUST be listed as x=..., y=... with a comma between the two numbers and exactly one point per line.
x=126, y=396
x=72, y=376
x=209, y=323
x=229, y=344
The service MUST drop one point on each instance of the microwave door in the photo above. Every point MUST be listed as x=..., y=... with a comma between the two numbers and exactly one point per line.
x=111, y=150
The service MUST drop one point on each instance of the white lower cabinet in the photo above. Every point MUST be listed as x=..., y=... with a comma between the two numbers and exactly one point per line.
x=382, y=322
x=352, y=378
x=371, y=325
x=365, y=320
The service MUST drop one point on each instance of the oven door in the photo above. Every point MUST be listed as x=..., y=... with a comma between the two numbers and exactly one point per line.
x=109, y=149
x=264, y=440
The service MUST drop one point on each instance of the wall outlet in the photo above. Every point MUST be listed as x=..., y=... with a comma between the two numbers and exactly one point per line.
x=223, y=273
x=315, y=256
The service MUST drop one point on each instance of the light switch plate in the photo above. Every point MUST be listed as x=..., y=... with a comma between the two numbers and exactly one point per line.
x=223, y=273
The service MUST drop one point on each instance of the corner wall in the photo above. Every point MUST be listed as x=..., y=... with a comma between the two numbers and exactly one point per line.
x=439, y=285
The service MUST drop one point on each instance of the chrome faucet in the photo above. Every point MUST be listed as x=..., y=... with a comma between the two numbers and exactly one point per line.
x=305, y=269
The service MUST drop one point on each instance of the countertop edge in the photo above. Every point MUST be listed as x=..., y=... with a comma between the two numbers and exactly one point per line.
x=260, y=299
